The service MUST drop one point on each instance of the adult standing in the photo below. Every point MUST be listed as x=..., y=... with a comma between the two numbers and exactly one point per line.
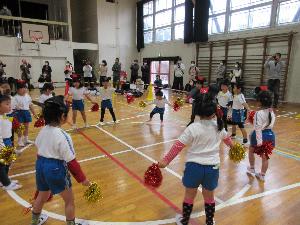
x=46, y=71
x=193, y=71
x=2, y=65
x=274, y=67
x=235, y=75
x=221, y=72
x=145, y=74
x=102, y=72
x=25, y=72
x=178, y=75
x=7, y=24
x=68, y=71
x=116, y=73
x=134, y=71
x=87, y=73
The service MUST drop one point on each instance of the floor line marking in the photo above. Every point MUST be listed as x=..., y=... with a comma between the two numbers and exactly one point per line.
x=146, y=156
x=240, y=194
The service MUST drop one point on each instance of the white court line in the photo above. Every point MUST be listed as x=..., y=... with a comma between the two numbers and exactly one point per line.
x=24, y=148
x=147, y=157
x=239, y=194
x=99, y=157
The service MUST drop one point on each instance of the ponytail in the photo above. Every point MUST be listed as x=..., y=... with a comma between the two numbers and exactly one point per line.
x=270, y=118
x=220, y=123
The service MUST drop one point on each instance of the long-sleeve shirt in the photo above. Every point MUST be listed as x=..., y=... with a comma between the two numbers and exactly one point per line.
x=193, y=72
x=145, y=70
x=87, y=71
x=236, y=73
x=47, y=70
x=116, y=69
x=103, y=71
x=134, y=69
x=273, y=68
x=261, y=122
x=179, y=70
x=221, y=71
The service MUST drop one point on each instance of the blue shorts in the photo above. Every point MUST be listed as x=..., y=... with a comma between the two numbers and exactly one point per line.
x=158, y=110
x=267, y=135
x=52, y=175
x=106, y=104
x=8, y=142
x=196, y=174
x=78, y=105
x=238, y=116
x=23, y=116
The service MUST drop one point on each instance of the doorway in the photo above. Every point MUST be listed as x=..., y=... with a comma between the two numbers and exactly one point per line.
x=161, y=68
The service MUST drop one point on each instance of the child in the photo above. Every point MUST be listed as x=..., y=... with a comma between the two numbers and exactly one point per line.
x=5, y=140
x=158, y=81
x=55, y=158
x=106, y=93
x=159, y=103
x=203, y=160
x=224, y=98
x=21, y=104
x=264, y=120
x=238, y=111
x=139, y=84
x=41, y=81
x=46, y=91
x=78, y=92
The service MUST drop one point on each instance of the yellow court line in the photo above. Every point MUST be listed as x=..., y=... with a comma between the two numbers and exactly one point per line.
x=297, y=156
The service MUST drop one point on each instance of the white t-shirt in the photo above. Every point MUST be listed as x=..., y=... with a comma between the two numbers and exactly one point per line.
x=224, y=98
x=78, y=93
x=160, y=103
x=54, y=143
x=238, y=101
x=106, y=93
x=261, y=122
x=21, y=102
x=204, y=140
x=87, y=71
x=5, y=127
x=44, y=97
x=179, y=70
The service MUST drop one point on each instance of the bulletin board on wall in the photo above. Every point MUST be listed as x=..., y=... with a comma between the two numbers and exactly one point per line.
x=32, y=31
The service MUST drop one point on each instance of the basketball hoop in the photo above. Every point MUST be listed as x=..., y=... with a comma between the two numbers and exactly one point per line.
x=37, y=42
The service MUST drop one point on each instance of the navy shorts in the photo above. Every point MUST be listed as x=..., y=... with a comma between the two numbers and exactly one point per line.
x=205, y=175
x=52, y=175
x=23, y=116
x=267, y=135
x=238, y=117
x=158, y=110
x=78, y=105
x=106, y=104
x=7, y=142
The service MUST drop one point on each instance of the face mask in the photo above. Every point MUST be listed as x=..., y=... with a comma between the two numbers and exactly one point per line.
x=192, y=64
x=47, y=64
x=236, y=66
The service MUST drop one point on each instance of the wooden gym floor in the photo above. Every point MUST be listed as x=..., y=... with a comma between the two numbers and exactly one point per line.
x=116, y=156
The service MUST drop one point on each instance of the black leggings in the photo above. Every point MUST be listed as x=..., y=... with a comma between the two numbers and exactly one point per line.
x=112, y=113
x=161, y=115
x=4, y=179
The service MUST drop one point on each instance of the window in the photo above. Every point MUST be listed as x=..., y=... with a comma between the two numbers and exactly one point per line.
x=163, y=34
x=148, y=8
x=163, y=4
x=217, y=6
x=288, y=12
x=179, y=31
x=216, y=24
x=239, y=4
x=179, y=14
x=179, y=2
x=148, y=37
x=148, y=22
x=163, y=18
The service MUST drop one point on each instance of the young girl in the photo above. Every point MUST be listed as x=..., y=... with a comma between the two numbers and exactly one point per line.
x=46, y=91
x=159, y=103
x=224, y=98
x=78, y=92
x=264, y=120
x=106, y=93
x=203, y=160
x=56, y=156
x=238, y=111
x=5, y=140
x=22, y=103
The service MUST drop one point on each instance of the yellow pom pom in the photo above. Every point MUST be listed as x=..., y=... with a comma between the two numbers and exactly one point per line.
x=180, y=101
x=7, y=155
x=142, y=104
x=237, y=153
x=93, y=194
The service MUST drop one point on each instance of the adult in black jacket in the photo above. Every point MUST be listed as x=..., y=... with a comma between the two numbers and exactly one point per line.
x=134, y=71
x=46, y=71
x=145, y=73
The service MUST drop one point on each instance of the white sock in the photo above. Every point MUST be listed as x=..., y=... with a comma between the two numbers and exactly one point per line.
x=25, y=138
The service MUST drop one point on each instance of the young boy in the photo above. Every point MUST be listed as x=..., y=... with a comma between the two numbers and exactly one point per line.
x=224, y=98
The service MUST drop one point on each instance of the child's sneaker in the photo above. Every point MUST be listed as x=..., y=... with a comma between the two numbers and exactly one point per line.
x=43, y=218
x=178, y=219
x=28, y=142
x=21, y=143
x=251, y=171
x=100, y=123
x=82, y=223
x=260, y=176
x=86, y=125
x=14, y=181
x=117, y=121
x=233, y=136
x=12, y=187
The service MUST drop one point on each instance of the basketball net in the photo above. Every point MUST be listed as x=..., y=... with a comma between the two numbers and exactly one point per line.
x=37, y=42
